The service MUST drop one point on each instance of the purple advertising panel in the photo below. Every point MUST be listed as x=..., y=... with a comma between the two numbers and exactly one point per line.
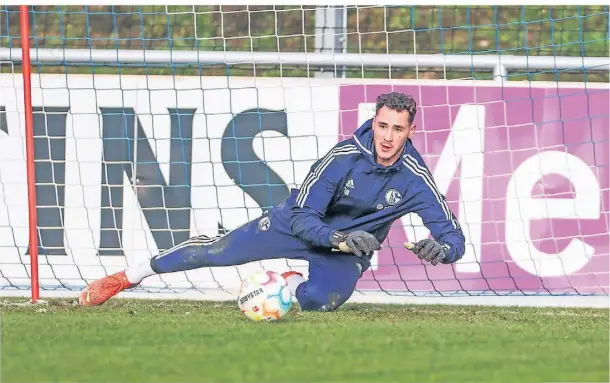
x=525, y=170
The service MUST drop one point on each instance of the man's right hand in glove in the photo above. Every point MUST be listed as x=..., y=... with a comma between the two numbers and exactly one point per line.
x=359, y=242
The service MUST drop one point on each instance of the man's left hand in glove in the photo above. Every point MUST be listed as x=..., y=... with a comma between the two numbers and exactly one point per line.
x=431, y=251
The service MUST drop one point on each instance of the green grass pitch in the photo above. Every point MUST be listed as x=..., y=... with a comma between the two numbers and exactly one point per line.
x=192, y=341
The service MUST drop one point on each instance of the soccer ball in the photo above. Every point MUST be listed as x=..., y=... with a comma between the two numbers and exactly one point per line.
x=264, y=296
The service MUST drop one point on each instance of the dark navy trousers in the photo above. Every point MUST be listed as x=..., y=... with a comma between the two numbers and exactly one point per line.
x=332, y=275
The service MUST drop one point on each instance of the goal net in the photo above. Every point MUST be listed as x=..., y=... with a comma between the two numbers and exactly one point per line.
x=153, y=124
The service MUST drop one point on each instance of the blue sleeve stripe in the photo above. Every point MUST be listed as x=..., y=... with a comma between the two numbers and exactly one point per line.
x=412, y=164
x=314, y=176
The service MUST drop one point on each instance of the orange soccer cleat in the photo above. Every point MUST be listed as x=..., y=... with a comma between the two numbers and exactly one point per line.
x=103, y=289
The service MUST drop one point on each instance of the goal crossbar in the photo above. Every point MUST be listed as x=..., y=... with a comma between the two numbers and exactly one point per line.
x=144, y=57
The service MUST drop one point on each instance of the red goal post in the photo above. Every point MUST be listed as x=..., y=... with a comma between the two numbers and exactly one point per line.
x=496, y=148
x=29, y=144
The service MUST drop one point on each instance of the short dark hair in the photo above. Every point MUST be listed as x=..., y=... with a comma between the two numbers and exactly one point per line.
x=397, y=101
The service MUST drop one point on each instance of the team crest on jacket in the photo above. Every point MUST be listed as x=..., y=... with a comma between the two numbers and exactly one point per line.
x=392, y=197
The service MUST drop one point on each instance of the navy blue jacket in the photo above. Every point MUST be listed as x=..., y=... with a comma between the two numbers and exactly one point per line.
x=347, y=190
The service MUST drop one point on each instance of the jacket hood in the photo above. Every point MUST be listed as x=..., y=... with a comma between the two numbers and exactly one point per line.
x=363, y=137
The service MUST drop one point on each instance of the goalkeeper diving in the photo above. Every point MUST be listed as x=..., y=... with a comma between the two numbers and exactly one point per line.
x=336, y=220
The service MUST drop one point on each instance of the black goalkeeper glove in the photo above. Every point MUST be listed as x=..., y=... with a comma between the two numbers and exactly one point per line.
x=431, y=251
x=359, y=242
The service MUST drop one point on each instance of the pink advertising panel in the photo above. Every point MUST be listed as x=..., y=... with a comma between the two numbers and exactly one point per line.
x=524, y=168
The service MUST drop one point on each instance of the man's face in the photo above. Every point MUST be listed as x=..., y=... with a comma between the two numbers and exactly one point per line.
x=391, y=129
